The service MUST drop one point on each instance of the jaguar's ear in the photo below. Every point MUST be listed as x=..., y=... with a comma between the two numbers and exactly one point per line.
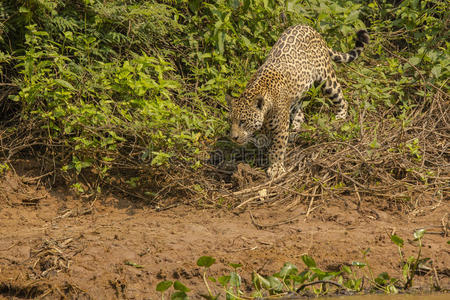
x=228, y=98
x=259, y=101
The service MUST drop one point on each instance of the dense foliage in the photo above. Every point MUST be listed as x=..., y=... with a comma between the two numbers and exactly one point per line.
x=136, y=88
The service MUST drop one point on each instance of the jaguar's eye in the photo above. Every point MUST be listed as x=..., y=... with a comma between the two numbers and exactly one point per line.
x=241, y=123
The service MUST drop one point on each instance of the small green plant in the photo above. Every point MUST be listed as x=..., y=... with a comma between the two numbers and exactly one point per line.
x=414, y=149
x=386, y=283
x=353, y=283
x=4, y=168
x=206, y=262
x=133, y=264
x=391, y=285
x=411, y=264
x=232, y=283
x=180, y=289
x=290, y=280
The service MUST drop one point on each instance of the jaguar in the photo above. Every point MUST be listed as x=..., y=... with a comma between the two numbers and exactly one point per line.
x=299, y=59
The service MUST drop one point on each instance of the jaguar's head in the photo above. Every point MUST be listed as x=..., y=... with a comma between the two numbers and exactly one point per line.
x=246, y=116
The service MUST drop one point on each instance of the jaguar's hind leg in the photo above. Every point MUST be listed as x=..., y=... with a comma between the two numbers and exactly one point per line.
x=296, y=117
x=333, y=90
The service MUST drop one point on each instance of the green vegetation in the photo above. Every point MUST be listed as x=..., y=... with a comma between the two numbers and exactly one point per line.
x=131, y=93
x=311, y=281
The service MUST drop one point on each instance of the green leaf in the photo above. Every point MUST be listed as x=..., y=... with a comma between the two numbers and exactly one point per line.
x=180, y=295
x=68, y=35
x=323, y=275
x=235, y=266
x=163, y=285
x=392, y=289
x=260, y=282
x=345, y=127
x=275, y=283
x=64, y=84
x=358, y=264
x=206, y=261
x=382, y=279
x=220, y=41
x=224, y=280
x=308, y=260
x=318, y=271
x=288, y=269
x=180, y=287
x=414, y=60
x=160, y=158
x=305, y=103
x=405, y=270
x=129, y=263
x=194, y=5
x=397, y=240
x=347, y=269
x=79, y=165
x=235, y=3
x=374, y=144
x=23, y=9
x=436, y=71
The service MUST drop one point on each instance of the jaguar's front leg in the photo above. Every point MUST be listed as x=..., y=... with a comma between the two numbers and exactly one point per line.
x=277, y=149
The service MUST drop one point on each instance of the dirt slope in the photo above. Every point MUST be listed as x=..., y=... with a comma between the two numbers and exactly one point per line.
x=54, y=244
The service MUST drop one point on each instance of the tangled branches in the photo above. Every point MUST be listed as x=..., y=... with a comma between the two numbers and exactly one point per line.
x=406, y=163
x=403, y=160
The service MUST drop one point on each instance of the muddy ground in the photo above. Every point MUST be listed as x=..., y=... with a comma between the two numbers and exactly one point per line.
x=54, y=244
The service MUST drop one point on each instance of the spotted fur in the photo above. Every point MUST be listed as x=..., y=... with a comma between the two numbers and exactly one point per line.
x=298, y=59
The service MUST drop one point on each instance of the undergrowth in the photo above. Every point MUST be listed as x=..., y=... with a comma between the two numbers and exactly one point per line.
x=130, y=95
x=293, y=283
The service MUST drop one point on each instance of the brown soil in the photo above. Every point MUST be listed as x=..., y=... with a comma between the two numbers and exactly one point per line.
x=54, y=244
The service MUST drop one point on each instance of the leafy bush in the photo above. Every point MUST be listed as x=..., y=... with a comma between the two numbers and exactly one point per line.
x=136, y=88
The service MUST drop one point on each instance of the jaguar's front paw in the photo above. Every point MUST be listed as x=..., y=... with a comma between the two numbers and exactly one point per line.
x=341, y=115
x=276, y=170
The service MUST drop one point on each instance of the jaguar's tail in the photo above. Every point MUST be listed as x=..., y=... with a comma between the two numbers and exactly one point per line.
x=362, y=37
